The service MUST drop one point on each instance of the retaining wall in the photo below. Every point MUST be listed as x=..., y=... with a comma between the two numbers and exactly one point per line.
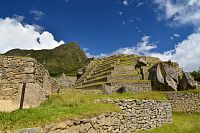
x=184, y=101
x=136, y=115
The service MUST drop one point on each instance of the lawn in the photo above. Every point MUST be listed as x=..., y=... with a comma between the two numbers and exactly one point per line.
x=182, y=123
x=71, y=105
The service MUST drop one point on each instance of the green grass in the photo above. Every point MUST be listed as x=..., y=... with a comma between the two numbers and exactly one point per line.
x=153, y=95
x=182, y=123
x=71, y=105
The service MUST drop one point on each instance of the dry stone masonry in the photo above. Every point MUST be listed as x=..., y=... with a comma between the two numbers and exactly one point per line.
x=14, y=71
x=184, y=101
x=136, y=115
x=135, y=74
x=129, y=71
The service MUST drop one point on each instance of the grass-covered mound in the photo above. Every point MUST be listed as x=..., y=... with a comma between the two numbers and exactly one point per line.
x=182, y=123
x=73, y=104
x=66, y=58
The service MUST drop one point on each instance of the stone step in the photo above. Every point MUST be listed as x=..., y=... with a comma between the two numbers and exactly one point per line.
x=105, y=73
x=99, y=68
x=121, y=72
x=119, y=83
x=102, y=70
x=99, y=79
x=124, y=77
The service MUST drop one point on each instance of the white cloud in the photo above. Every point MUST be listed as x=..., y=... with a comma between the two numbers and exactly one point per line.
x=125, y=2
x=37, y=14
x=18, y=18
x=142, y=48
x=14, y=34
x=174, y=36
x=186, y=53
x=140, y=4
x=181, y=11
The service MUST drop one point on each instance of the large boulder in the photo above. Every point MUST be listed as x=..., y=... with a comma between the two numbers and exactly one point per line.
x=187, y=82
x=164, y=76
x=106, y=89
x=167, y=76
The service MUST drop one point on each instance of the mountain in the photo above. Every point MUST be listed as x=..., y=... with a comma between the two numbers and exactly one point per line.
x=66, y=58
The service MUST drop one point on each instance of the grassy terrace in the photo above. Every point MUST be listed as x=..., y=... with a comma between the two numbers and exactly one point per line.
x=71, y=105
x=113, y=81
x=182, y=123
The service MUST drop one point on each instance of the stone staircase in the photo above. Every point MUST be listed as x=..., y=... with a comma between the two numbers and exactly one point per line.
x=117, y=71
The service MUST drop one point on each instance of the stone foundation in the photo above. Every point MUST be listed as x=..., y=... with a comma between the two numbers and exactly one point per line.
x=136, y=115
x=132, y=87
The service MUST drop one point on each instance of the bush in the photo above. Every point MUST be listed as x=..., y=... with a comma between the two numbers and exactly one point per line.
x=196, y=75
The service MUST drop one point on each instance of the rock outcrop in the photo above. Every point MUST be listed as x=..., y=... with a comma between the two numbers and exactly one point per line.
x=187, y=82
x=168, y=76
x=14, y=71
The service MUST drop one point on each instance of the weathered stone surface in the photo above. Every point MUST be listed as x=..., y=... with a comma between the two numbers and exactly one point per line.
x=136, y=115
x=187, y=82
x=184, y=101
x=65, y=81
x=17, y=70
x=168, y=76
x=34, y=94
x=141, y=62
x=106, y=89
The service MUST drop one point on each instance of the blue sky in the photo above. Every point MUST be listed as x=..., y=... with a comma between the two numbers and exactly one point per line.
x=104, y=27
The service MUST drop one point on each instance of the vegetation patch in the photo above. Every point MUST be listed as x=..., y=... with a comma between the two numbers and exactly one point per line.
x=182, y=123
x=153, y=95
x=71, y=105
x=66, y=58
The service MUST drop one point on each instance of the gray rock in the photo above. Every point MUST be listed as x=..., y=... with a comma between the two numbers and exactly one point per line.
x=106, y=89
x=187, y=82
x=141, y=62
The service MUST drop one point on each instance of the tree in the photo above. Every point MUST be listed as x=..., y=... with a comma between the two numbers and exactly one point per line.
x=196, y=75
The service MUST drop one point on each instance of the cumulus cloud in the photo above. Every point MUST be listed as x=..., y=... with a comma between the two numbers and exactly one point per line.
x=186, y=53
x=14, y=34
x=181, y=11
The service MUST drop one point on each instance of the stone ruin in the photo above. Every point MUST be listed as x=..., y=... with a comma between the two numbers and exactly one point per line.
x=14, y=71
x=133, y=73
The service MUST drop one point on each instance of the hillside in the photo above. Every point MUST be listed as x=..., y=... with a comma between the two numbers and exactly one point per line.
x=66, y=58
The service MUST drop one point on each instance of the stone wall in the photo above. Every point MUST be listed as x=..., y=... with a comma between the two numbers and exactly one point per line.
x=131, y=86
x=184, y=101
x=135, y=115
x=14, y=71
